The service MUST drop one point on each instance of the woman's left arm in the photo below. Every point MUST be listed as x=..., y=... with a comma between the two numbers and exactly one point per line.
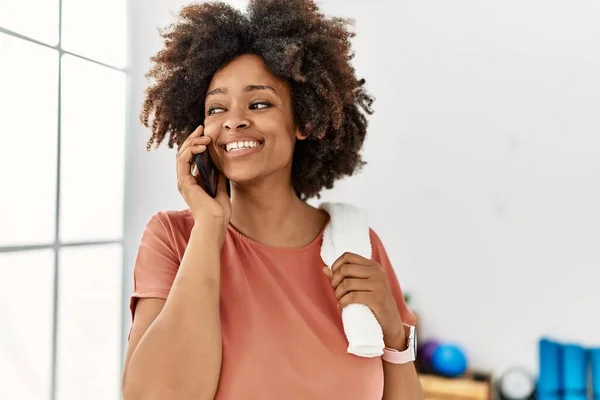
x=400, y=380
x=356, y=279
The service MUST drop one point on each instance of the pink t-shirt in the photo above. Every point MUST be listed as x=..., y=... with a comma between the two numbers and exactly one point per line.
x=281, y=325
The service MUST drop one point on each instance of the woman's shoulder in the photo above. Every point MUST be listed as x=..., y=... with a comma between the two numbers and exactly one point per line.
x=170, y=228
x=172, y=222
x=171, y=218
x=376, y=241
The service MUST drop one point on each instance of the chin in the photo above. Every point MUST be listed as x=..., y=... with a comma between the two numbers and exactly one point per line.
x=242, y=176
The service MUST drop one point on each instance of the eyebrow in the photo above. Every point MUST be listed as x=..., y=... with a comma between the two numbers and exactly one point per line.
x=249, y=88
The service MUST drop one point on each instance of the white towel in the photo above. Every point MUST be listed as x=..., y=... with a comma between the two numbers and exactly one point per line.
x=348, y=230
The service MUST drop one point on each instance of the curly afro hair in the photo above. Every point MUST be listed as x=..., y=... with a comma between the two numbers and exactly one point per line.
x=297, y=43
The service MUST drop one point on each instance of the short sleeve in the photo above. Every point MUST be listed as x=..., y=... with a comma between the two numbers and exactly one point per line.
x=156, y=262
x=380, y=255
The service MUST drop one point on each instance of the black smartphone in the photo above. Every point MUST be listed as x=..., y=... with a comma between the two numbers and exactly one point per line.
x=209, y=174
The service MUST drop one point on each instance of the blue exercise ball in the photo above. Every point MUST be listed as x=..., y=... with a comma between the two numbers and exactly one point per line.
x=449, y=360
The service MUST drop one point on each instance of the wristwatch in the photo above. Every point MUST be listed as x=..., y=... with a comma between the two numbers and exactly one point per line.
x=407, y=355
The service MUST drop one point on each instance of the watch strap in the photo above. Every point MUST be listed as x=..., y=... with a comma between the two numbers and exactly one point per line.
x=398, y=357
x=403, y=356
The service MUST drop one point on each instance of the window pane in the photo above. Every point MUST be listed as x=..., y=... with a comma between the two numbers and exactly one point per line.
x=37, y=19
x=29, y=115
x=26, y=300
x=96, y=30
x=92, y=151
x=89, y=326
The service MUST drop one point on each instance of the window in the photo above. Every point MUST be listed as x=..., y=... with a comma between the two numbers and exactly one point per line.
x=63, y=82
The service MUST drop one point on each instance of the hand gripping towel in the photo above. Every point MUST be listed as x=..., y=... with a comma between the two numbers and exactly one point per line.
x=348, y=231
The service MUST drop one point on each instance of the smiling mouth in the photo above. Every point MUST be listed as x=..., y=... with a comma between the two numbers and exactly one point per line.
x=242, y=145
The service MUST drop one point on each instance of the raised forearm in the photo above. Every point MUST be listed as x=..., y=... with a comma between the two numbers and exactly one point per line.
x=179, y=356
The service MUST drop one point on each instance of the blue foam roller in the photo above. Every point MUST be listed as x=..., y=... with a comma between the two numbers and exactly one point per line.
x=575, y=396
x=575, y=367
x=549, y=379
x=594, y=356
x=548, y=396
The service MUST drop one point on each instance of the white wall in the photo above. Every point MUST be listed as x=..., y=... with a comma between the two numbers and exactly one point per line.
x=483, y=163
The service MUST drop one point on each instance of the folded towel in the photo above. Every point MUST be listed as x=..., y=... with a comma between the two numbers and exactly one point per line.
x=348, y=230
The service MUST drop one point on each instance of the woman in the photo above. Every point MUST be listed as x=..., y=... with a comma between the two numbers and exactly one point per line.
x=231, y=297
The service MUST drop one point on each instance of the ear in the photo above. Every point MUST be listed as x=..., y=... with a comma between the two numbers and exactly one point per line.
x=300, y=135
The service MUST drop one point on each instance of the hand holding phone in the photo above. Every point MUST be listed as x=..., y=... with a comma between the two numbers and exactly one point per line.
x=209, y=175
x=206, y=194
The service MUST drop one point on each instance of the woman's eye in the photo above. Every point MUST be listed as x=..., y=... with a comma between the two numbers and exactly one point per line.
x=260, y=105
x=215, y=110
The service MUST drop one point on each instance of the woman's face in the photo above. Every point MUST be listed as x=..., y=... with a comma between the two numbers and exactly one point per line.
x=248, y=115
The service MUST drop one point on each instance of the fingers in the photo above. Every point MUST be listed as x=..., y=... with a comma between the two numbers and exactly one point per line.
x=350, y=258
x=354, y=297
x=184, y=159
x=350, y=271
x=199, y=141
x=195, y=138
x=198, y=132
x=353, y=285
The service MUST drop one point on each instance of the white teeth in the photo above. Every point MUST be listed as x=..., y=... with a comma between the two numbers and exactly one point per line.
x=243, y=145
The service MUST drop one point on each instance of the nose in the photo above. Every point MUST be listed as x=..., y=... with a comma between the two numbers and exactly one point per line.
x=236, y=121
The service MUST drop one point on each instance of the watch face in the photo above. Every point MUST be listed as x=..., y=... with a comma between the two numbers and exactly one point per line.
x=412, y=339
x=411, y=333
x=415, y=347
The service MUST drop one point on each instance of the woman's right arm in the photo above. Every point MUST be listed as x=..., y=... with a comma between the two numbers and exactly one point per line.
x=175, y=345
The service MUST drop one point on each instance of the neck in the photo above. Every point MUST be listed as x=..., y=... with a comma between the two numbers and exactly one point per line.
x=272, y=214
